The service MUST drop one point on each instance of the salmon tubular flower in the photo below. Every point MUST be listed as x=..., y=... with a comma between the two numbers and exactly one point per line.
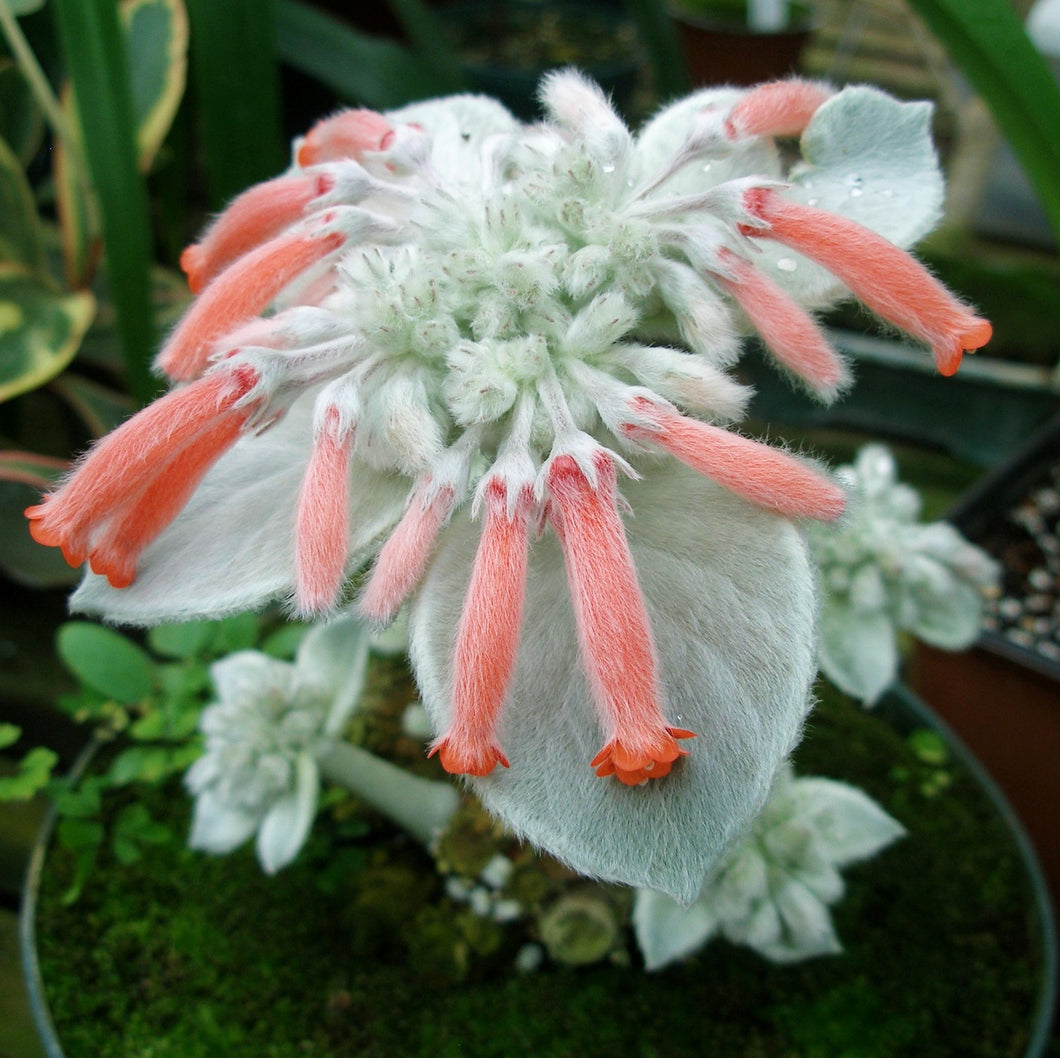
x=490, y=363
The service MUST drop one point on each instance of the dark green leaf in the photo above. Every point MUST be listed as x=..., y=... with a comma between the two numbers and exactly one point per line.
x=235, y=78
x=157, y=36
x=106, y=661
x=34, y=773
x=77, y=833
x=427, y=35
x=659, y=36
x=356, y=67
x=22, y=558
x=79, y=802
x=21, y=238
x=40, y=329
x=99, y=407
x=986, y=39
x=39, y=472
x=21, y=123
x=93, y=45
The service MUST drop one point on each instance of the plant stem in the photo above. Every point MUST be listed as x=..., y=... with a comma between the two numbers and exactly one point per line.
x=419, y=806
x=38, y=83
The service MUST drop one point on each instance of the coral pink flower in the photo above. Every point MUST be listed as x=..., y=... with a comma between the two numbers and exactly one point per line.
x=493, y=358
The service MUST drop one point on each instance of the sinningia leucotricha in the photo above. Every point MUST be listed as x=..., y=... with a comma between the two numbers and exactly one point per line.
x=441, y=341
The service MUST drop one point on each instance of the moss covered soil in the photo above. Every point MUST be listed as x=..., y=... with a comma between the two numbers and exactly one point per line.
x=355, y=950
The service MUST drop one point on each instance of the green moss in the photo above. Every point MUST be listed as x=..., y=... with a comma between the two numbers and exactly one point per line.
x=355, y=950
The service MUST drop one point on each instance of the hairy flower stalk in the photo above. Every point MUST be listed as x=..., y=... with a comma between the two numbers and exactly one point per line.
x=468, y=349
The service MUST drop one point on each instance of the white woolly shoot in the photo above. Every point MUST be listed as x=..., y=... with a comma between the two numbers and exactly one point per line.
x=465, y=331
x=881, y=571
x=772, y=891
x=276, y=731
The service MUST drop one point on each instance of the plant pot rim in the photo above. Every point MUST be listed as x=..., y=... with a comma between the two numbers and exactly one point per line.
x=804, y=20
x=900, y=705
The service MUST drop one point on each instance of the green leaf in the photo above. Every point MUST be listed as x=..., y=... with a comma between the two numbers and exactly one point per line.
x=21, y=122
x=285, y=641
x=135, y=821
x=99, y=407
x=25, y=7
x=33, y=775
x=21, y=558
x=148, y=764
x=236, y=83
x=77, y=833
x=39, y=472
x=987, y=40
x=9, y=735
x=658, y=32
x=80, y=226
x=83, y=837
x=356, y=67
x=174, y=719
x=239, y=632
x=156, y=33
x=94, y=48
x=426, y=33
x=183, y=682
x=79, y=802
x=21, y=239
x=106, y=661
x=188, y=639
x=40, y=330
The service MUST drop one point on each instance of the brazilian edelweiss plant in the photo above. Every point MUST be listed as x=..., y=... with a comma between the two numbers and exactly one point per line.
x=440, y=341
x=883, y=571
x=772, y=890
x=276, y=731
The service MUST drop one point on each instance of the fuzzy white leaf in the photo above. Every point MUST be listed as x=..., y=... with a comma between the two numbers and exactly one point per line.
x=244, y=678
x=858, y=652
x=286, y=825
x=217, y=827
x=666, y=931
x=334, y=657
x=729, y=595
x=807, y=925
x=850, y=825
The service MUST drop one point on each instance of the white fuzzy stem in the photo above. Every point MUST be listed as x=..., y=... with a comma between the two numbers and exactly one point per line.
x=419, y=806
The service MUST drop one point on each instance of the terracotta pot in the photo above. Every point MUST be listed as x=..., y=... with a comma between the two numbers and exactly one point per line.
x=1003, y=697
x=719, y=50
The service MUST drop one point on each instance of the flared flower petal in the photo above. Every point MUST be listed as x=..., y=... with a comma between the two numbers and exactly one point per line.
x=232, y=547
x=728, y=595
